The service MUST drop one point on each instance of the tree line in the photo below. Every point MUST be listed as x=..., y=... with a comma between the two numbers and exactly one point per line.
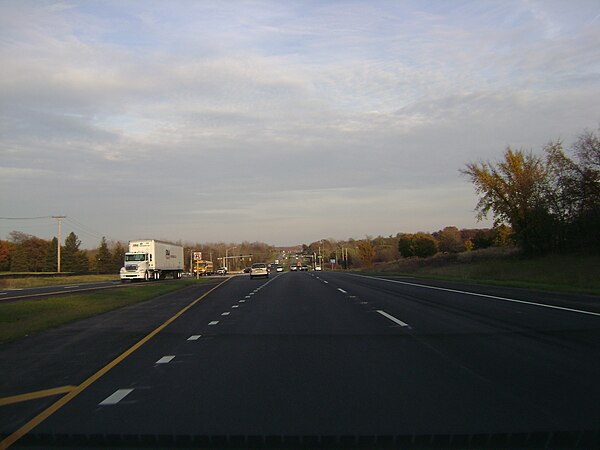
x=22, y=252
x=369, y=252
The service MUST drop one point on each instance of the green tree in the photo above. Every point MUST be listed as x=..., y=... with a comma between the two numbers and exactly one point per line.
x=483, y=239
x=117, y=257
x=73, y=259
x=425, y=245
x=51, y=259
x=422, y=245
x=103, y=258
x=406, y=245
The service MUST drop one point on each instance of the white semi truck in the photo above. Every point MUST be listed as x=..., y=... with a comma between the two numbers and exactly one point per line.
x=150, y=259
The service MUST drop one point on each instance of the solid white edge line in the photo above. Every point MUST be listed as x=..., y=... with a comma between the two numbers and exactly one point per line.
x=456, y=291
x=115, y=397
x=165, y=359
x=392, y=318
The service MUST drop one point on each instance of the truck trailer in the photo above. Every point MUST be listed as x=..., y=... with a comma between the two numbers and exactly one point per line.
x=150, y=259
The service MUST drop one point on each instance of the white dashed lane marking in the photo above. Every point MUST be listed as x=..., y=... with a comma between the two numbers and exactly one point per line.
x=116, y=397
x=165, y=359
x=194, y=337
x=393, y=319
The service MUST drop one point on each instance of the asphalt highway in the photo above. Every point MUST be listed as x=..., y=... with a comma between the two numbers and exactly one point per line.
x=322, y=360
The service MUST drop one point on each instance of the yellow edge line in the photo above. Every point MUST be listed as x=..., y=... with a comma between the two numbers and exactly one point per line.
x=14, y=437
x=33, y=395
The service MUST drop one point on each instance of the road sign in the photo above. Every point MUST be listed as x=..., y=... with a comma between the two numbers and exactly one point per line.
x=197, y=256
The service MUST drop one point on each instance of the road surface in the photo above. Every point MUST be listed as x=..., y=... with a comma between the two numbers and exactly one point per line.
x=324, y=360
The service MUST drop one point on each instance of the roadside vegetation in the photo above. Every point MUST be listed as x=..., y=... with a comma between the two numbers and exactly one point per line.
x=30, y=280
x=22, y=318
x=505, y=267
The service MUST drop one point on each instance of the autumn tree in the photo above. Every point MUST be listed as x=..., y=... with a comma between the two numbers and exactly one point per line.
x=28, y=252
x=5, y=252
x=450, y=240
x=513, y=191
x=366, y=252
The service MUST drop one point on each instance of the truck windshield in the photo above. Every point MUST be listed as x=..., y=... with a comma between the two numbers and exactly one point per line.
x=135, y=257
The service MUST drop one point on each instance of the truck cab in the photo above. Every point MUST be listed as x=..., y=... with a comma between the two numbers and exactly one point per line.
x=137, y=266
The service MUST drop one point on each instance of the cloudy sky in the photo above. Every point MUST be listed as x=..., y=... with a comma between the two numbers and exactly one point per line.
x=285, y=121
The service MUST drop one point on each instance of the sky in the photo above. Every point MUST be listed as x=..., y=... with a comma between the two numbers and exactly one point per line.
x=284, y=122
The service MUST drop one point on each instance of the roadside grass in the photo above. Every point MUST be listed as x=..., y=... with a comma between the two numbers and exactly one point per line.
x=22, y=318
x=569, y=273
x=33, y=281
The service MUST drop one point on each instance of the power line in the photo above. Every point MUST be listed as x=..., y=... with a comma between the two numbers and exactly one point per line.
x=89, y=231
x=25, y=218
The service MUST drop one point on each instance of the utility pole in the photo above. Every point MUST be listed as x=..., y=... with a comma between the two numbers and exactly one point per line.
x=59, y=218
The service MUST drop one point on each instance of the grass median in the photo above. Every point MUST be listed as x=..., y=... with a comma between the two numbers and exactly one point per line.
x=36, y=281
x=21, y=318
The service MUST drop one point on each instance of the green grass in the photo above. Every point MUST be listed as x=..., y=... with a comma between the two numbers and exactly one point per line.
x=570, y=273
x=21, y=318
x=29, y=282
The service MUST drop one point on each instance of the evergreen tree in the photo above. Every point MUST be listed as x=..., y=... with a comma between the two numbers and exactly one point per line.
x=51, y=259
x=73, y=259
x=103, y=258
x=118, y=257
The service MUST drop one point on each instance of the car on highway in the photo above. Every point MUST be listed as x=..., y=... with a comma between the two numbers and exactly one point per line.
x=222, y=271
x=259, y=270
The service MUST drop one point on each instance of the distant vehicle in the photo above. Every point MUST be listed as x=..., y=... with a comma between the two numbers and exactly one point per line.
x=151, y=259
x=259, y=270
x=204, y=267
x=247, y=270
x=222, y=271
x=279, y=268
x=318, y=268
x=293, y=267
